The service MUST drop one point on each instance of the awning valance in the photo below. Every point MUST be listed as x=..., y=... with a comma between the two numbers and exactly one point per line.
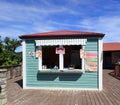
x=53, y=42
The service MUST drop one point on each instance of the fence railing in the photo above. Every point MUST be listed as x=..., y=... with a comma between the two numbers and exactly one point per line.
x=13, y=71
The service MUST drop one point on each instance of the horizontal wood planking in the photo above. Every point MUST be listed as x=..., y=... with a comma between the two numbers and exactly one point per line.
x=86, y=80
x=92, y=44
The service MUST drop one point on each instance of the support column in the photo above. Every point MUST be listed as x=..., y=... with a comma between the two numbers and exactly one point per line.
x=24, y=64
x=83, y=60
x=40, y=63
x=61, y=60
x=100, y=62
x=39, y=54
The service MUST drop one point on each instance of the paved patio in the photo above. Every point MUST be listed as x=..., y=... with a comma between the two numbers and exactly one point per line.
x=109, y=96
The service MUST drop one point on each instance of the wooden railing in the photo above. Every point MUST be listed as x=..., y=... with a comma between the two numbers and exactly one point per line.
x=13, y=71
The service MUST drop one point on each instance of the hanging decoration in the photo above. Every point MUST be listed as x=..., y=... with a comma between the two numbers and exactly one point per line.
x=60, y=50
x=82, y=53
x=38, y=53
x=31, y=53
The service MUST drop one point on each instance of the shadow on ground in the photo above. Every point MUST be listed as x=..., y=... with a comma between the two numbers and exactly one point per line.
x=20, y=83
x=113, y=75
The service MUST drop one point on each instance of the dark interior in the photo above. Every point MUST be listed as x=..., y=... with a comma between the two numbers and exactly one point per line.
x=71, y=56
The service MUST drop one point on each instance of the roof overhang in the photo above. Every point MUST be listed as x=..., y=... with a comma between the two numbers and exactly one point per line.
x=62, y=33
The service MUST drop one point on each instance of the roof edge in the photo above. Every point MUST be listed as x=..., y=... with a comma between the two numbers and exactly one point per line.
x=62, y=33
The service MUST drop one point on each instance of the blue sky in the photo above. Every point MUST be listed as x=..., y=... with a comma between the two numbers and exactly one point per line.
x=19, y=17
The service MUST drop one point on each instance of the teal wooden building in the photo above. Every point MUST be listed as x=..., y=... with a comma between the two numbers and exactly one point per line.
x=62, y=60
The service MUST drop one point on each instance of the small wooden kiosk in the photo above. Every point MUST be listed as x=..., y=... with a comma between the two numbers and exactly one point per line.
x=62, y=60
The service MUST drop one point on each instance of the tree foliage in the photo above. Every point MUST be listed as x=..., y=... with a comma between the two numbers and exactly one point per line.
x=8, y=56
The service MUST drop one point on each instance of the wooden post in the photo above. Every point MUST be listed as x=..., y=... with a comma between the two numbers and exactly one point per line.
x=83, y=60
x=20, y=70
x=61, y=60
x=11, y=72
x=3, y=86
x=100, y=62
x=40, y=58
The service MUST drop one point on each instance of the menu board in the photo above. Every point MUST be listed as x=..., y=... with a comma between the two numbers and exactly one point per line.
x=91, y=61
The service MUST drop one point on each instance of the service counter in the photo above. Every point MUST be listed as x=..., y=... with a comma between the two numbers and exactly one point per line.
x=52, y=71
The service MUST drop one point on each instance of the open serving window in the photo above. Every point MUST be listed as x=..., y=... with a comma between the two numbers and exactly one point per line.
x=61, y=55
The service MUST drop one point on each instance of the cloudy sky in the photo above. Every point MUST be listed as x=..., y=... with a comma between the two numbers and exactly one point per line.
x=19, y=17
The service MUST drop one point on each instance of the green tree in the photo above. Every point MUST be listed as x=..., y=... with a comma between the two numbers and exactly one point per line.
x=8, y=56
x=1, y=45
x=11, y=44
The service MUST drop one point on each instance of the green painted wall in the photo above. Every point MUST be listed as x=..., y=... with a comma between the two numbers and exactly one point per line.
x=35, y=79
x=92, y=44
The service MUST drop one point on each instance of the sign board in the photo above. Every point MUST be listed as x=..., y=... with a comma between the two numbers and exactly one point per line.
x=31, y=53
x=60, y=50
x=38, y=53
x=82, y=53
x=91, y=61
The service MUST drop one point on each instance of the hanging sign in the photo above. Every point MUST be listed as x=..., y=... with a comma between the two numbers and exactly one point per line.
x=60, y=50
x=38, y=53
x=82, y=53
x=91, y=61
x=31, y=53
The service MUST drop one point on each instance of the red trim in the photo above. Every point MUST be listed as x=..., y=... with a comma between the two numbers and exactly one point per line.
x=62, y=33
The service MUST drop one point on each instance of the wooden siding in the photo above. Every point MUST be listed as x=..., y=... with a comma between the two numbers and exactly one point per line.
x=34, y=79
x=92, y=45
x=64, y=80
x=31, y=62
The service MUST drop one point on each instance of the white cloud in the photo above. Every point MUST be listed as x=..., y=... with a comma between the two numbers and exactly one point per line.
x=24, y=19
x=108, y=25
x=12, y=33
x=12, y=11
x=19, y=18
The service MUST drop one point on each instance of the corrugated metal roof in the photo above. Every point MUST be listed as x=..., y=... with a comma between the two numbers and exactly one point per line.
x=62, y=33
x=113, y=46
